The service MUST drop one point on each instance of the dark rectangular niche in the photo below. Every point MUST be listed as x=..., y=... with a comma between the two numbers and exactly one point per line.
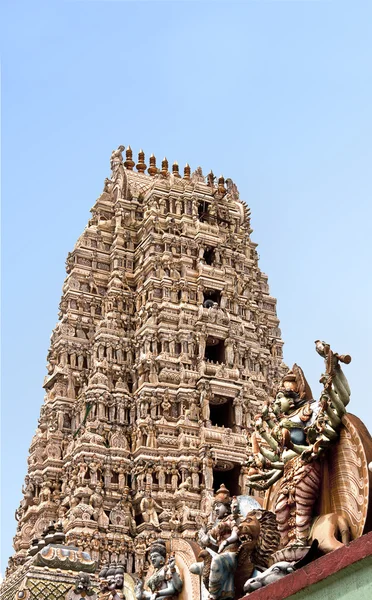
x=222, y=414
x=203, y=211
x=210, y=297
x=215, y=350
x=229, y=478
x=208, y=256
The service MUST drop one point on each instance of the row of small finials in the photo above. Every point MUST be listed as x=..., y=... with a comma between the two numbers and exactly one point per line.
x=153, y=169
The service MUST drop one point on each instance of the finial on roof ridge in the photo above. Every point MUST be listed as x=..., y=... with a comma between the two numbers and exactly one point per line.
x=129, y=162
x=221, y=185
x=164, y=167
x=175, y=169
x=141, y=166
x=152, y=170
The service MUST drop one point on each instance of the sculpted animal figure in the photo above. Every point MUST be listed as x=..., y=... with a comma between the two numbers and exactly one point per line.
x=225, y=573
x=278, y=571
x=274, y=573
x=326, y=529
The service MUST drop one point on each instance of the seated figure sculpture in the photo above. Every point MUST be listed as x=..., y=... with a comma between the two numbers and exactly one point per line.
x=165, y=581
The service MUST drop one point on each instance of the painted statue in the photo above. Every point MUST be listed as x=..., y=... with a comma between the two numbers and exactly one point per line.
x=112, y=582
x=291, y=434
x=236, y=545
x=165, y=581
x=277, y=571
x=271, y=575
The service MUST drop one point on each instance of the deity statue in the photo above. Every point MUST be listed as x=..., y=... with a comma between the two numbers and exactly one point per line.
x=238, y=542
x=238, y=408
x=205, y=396
x=174, y=472
x=208, y=463
x=118, y=178
x=292, y=432
x=161, y=473
x=116, y=158
x=96, y=500
x=165, y=581
x=28, y=491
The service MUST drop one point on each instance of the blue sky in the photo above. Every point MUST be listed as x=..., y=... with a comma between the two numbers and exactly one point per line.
x=276, y=95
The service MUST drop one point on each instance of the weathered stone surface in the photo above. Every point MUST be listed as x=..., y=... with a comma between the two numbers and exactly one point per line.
x=166, y=345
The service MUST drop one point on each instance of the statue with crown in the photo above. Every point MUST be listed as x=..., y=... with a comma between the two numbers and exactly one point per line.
x=311, y=458
x=164, y=580
x=236, y=545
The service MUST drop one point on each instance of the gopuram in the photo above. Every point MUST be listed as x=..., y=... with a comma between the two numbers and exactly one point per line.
x=175, y=454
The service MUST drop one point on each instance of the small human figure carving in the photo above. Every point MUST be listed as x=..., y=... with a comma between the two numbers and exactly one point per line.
x=149, y=509
x=208, y=464
x=28, y=491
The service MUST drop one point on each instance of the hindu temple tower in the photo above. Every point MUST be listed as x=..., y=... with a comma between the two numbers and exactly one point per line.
x=167, y=343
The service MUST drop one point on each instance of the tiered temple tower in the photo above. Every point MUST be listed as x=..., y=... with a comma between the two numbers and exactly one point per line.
x=167, y=343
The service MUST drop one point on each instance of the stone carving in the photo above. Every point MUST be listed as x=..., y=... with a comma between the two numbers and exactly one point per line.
x=278, y=570
x=116, y=158
x=112, y=582
x=82, y=589
x=237, y=543
x=122, y=514
x=165, y=582
x=149, y=509
x=132, y=377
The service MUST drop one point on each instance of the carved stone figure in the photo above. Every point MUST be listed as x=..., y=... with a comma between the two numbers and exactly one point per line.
x=149, y=509
x=204, y=402
x=208, y=464
x=99, y=515
x=82, y=588
x=243, y=538
x=112, y=582
x=116, y=158
x=174, y=476
x=271, y=575
x=165, y=582
x=218, y=567
x=238, y=408
x=28, y=492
